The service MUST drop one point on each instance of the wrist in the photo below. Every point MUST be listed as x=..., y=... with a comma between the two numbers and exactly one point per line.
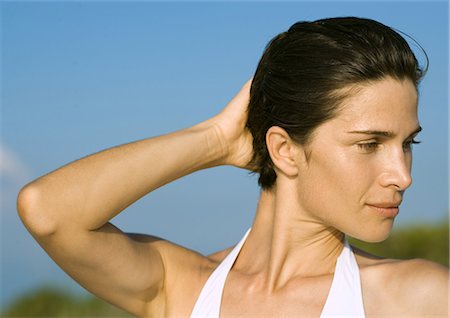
x=216, y=148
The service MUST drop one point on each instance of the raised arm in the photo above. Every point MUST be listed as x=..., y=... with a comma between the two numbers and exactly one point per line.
x=68, y=210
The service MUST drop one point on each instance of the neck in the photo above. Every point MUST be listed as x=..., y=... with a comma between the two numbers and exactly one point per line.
x=286, y=243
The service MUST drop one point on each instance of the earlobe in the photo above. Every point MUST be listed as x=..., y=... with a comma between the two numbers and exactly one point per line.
x=282, y=151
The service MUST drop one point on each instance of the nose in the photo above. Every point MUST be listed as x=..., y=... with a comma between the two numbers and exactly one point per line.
x=398, y=171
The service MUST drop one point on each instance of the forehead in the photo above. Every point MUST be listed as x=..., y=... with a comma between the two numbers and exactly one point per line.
x=387, y=104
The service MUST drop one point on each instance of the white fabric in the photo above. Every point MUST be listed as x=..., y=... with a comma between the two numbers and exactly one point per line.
x=344, y=298
x=345, y=295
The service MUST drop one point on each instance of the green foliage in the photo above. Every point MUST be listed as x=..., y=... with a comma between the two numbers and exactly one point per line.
x=427, y=241
x=53, y=302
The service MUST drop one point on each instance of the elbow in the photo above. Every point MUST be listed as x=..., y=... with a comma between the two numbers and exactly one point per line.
x=33, y=214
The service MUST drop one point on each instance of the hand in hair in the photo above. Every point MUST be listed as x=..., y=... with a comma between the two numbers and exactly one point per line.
x=231, y=131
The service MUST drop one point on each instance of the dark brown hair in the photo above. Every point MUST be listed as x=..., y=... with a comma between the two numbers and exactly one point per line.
x=301, y=71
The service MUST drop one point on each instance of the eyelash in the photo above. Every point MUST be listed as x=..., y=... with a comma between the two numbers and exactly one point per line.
x=372, y=146
x=410, y=143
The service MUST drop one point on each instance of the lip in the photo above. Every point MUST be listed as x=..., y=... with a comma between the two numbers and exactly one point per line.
x=389, y=210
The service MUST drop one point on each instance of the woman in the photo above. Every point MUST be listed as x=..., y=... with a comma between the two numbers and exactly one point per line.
x=328, y=123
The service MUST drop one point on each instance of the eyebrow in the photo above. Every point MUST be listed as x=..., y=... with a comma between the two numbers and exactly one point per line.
x=382, y=133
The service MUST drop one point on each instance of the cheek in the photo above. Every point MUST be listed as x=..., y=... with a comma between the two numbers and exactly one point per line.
x=334, y=183
x=340, y=170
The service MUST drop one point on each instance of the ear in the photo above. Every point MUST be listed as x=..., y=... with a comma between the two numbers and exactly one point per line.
x=283, y=151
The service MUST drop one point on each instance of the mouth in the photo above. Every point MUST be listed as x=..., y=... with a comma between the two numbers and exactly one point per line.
x=388, y=209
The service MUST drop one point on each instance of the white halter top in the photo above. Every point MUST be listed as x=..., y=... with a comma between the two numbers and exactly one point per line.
x=344, y=298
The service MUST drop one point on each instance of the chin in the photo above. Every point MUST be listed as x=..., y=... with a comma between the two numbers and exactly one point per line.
x=374, y=239
x=375, y=234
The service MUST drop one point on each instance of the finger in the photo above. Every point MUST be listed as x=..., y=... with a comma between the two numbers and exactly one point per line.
x=243, y=96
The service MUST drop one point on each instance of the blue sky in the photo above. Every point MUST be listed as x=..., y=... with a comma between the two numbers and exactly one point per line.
x=79, y=77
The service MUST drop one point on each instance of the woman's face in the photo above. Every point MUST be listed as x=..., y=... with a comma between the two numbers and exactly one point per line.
x=360, y=161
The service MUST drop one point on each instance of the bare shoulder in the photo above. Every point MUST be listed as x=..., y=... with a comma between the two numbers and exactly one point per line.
x=182, y=263
x=186, y=273
x=218, y=257
x=422, y=285
x=423, y=277
x=415, y=287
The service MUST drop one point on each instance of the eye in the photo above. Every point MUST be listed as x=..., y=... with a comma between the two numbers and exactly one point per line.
x=369, y=146
x=407, y=146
